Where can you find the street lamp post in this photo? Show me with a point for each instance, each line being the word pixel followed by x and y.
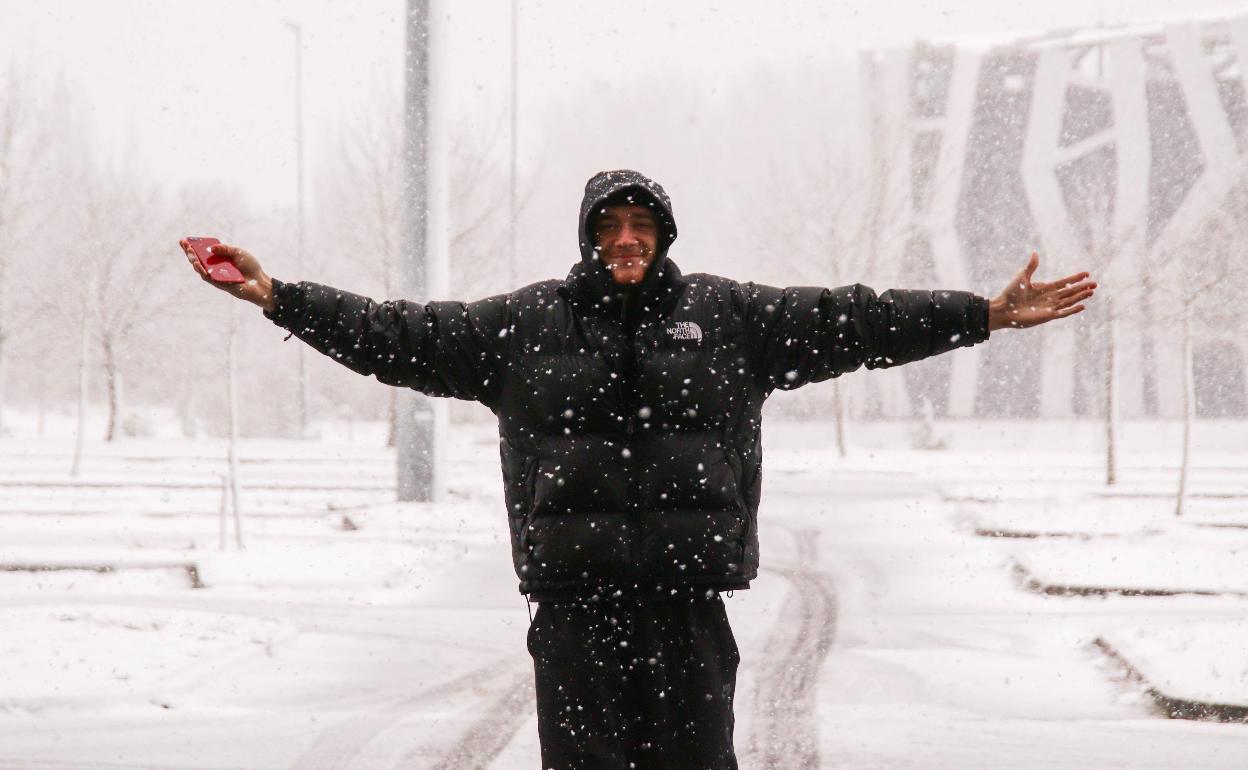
pixel 515 102
pixel 417 421
pixel 295 27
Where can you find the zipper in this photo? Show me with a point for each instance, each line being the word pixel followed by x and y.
pixel 632 513
pixel 627 365
pixel 530 504
pixel 626 381
pixel 737 465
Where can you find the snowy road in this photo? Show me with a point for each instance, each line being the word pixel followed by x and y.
pixel 881 635
pixel 939 661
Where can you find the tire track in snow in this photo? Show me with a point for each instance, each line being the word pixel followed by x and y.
pixel 339 744
pixel 494 730
pixel 785 733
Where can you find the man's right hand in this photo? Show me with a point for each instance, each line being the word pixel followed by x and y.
pixel 258 286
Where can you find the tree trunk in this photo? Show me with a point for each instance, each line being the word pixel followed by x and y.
pixel 2 362
pixel 842 417
pixel 223 511
pixel 305 430
pixel 82 397
pixel 185 420
pixel 113 381
pixel 1111 401
pixel 43 401
pixel 392 417
pixel 1188 412
pixel 231 395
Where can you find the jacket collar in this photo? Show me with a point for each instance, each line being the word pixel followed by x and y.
pixel 590 290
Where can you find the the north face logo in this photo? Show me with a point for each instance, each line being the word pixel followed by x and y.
pixel 685 330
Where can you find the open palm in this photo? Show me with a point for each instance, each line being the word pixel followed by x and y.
pixel 1026 303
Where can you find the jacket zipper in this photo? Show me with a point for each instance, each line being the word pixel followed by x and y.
pixel 530 503
pixel 737 464
pixel 627 383
pixel 630 429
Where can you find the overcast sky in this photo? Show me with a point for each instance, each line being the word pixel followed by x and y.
pixel 204 89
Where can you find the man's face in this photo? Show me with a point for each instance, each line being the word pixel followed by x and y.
pixel 626 238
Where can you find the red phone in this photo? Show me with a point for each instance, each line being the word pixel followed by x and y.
pixel 220 269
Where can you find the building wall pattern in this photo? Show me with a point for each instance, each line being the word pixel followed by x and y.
pixel 1107 147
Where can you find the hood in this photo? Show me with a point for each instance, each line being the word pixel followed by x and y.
pixel 605 184
pixel 590 285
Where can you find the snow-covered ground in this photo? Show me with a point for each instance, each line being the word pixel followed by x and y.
pixel 1204 662
pixel 901 619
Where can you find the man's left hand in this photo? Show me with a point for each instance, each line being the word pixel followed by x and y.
pixel 1023 303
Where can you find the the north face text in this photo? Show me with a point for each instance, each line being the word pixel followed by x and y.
pixel 685 330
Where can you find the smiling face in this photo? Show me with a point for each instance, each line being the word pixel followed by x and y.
pixel 626 239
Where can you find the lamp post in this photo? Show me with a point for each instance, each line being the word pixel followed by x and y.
pixel 295 27
pixel 515 100
pixel 417 421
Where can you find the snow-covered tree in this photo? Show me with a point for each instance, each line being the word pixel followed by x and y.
pixel 125 281
pixel 24 209
pixel 1206 268
pixel 1114 249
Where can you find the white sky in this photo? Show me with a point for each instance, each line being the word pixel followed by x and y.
pixel 205 89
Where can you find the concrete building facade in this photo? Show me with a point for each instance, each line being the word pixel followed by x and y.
pixel 1118 149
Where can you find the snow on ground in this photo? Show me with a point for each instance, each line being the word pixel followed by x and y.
pixel 102 656
pixel 940 659
pixel 352 632
pixel 1202 662
pixel 111 620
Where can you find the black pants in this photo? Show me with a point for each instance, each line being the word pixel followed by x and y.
pixel 635 684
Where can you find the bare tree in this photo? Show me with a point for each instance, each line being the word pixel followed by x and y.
pixel 23 145
pixel 1113 244
pixel 1200 280
pixel 362 195
pixel 852 215
pixel 1115 248
pixel 59 292
pixel 127 279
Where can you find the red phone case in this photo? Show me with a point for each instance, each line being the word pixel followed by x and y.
pixel 220 269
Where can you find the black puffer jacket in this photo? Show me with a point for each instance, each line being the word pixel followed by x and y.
pixel 630 421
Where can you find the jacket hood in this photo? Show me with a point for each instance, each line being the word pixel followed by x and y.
pixel 589 283
pixel 606 184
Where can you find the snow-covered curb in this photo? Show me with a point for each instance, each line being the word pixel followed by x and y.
pixel 1192 671
pixel 1136 569
pixel 102 562
pixel 1029 581
pixel 1087 516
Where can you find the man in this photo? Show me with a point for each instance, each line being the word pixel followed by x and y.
pixel 629 403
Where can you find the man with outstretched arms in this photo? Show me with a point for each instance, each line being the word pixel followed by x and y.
pixel 629 401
